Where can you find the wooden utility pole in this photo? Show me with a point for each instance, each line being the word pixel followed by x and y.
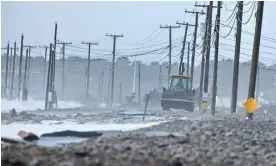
pixel 181 64
pixel 113 65
pixel 237 57
pixel 25 91
pixel 52 81
pixel 13 68
pixel 139 82
pixel 9 75
pixel 10 68
pixel 255 53
pixel 188 59
pixel 206 51
pixel 206 75
pixel 108 86
pixel 194 44
pixel 49 79
pixel 63 66
pixel 54 58
pixel 20 68
pixel 26 68
pixel 170 47
pixel 203 60
pixel 88 68
pixel 214 87
pixel 53 72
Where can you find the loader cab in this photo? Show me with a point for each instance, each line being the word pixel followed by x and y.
pixel 179 83
pixel 179 94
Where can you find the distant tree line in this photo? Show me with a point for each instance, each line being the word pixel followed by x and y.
pixel 75 72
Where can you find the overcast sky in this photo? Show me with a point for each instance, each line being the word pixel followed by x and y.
pixel 90 21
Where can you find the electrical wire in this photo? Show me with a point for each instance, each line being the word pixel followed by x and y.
pixel 244 3
pixel 249 17
pixel 248 43
pixel 248 49
pixel 252 34
pixel 248 55
pixel 228 32
pixel 145 53
pixel 253 4
pixel 145 40
pixel 225 5
pixel 249 64
pixel 231 16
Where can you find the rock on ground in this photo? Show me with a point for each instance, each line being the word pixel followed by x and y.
pixel 223 140
pixel 12 113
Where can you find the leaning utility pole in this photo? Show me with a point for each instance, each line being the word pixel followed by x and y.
pixel 88 68
pixel 113 65
pixel 170 47
pixel 20 68
pixel 255 54
pixel 181 65
pixel 13 68
pixel 194 44
pixel 53 72
pixel 214 90
pixel 63 65
pixel 203 60
pixel 139 82
pixel 49 79
pixel 237 57
pixel 25 91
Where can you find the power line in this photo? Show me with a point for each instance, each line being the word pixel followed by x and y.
pixel 246 3
pixel 252 34
pixel 249 63
pixel 145 53
pixel 145 39
pixel 232 14
pixel 231 10
pixel 250 15
pixel 253 4
pixel 249 55
pixel 249 49
pixel 265 46
pixel 229 31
